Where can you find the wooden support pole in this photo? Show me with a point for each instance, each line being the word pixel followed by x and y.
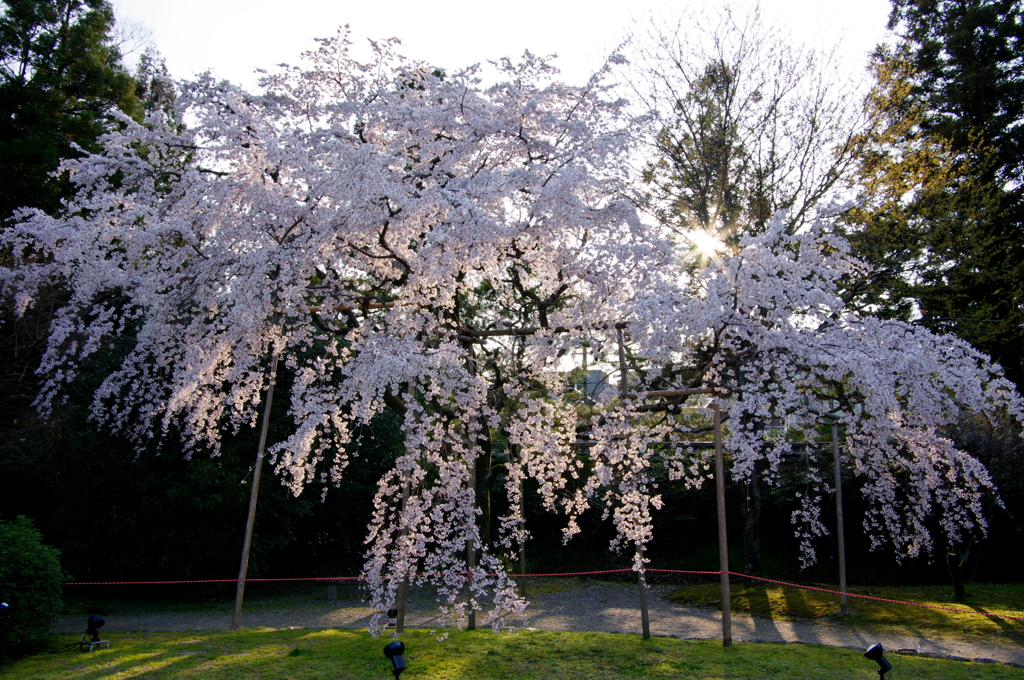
pixel 403 586
pixel 522 545
pixel 471 554
pixel 236 619
pixel 723 540
pixel 641 581
pixel 839 520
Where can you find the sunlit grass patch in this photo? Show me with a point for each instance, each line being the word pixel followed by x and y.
pixel 781 602
pixel 549 585
pixel 477 655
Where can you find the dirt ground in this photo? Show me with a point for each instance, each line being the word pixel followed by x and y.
pixel 570 606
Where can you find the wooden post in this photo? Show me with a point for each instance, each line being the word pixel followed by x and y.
pixel 839 519
pixel 623 386
pixel 522 546
pixel 645 617
pixel 586 374
pixel 403 586
pixel 723 542
pixel 236 619
pixel 471 555
pixel 641 581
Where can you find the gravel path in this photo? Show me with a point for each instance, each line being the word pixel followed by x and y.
pixel 589 606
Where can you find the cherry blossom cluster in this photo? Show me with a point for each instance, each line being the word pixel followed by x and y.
pixel 353 219
pixel 767 325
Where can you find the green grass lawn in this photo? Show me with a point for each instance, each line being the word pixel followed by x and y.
pixel 476 655
pixel 779 602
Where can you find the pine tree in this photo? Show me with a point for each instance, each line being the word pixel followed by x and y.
pixel 60 78
pixel 942 212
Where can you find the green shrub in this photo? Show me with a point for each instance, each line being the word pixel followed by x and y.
pixel 30 582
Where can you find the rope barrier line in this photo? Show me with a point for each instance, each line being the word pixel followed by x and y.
pixel 362 578
pixel 211 580
pixel 573 573
pixel 568 573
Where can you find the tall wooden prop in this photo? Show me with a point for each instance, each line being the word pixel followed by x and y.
pixel 522 545
pixel 403 586
pixel 641 580
pixel 839 520
pixel 723 541
pixel 236 619
pixel 471 556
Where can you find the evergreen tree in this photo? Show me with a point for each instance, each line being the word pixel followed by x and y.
pixel 60 77
pixel 750 126
pixel 942 215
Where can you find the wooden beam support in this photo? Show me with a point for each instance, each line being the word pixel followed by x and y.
pixel 723 540
pixel 236 618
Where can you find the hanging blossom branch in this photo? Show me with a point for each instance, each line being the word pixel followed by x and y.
pixel 353 219
pixel 766 324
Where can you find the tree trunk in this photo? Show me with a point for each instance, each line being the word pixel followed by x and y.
pixel 955 563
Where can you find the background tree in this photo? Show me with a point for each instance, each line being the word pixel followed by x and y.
pixel 940 216
pixel 60 76
pixel 746 123
pixel 747 126
pixel 941 212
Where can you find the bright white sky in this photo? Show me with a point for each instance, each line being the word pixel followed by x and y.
pixel 233 37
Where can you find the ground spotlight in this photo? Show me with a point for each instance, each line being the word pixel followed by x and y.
pixel 394 651
pixel 95 623
pixel 875 654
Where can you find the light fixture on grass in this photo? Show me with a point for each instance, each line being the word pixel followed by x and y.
pixel 95 623
pixel 875 654
pixel 394 651
pixel 5 609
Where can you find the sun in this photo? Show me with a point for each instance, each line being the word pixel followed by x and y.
pixel 708 245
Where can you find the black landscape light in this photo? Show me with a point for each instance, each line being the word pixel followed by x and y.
pixel 5 609
pixel 394 651
pixel 95 623
pixel 392 618
pixel 875 654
